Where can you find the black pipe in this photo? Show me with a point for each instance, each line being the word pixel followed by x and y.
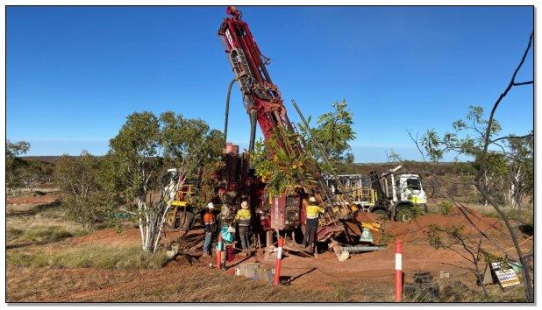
pixel 253 121
pixel 228 109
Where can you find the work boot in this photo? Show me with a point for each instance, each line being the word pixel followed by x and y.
pixel 223 266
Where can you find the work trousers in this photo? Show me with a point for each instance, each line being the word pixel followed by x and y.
pixel 244 232
pixel 310 232
pixel 207 242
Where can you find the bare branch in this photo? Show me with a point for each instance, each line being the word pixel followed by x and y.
pixel 523 83
pixel 482 171
pixel 512 137
pixel 495 106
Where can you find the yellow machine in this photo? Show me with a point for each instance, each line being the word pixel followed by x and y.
pixel 181 214
pixel 357 187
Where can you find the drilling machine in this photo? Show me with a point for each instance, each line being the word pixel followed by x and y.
pixel 265 107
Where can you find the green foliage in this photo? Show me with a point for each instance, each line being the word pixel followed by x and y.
pixel 334 130
pixel 189 141
pixel 146 144
pixel 467 138
pixel 332 135
pixel 446 207
pixel 393 157
pixel 434 236
pixel 14 150
pixel 190 145
pixel 132 156
pixel 14 162
pixel 78 179
pixel 507 174
pixel 286 172
pixel 283 172
pixel 145 147
pixel 444 238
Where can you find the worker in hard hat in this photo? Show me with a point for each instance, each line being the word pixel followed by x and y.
pixel 209 227
pixel 243 221
pixel 313 212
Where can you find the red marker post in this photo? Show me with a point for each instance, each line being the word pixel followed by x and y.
pixel 398 270
pixel 279 259
pixel 219 251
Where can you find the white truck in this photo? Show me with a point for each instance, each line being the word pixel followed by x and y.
pixel 396 196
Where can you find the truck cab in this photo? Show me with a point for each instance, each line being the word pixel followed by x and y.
pixel 404 195
pixel 409 188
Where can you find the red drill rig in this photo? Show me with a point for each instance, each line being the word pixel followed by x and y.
pixel 264 105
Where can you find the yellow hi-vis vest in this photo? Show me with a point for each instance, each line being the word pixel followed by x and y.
pixel 243 216
pixel 313 211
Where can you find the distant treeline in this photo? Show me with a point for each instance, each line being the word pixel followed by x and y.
pixel 42 167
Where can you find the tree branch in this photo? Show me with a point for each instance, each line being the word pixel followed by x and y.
pixel 523 83
pixel 496 105
pixel 512 137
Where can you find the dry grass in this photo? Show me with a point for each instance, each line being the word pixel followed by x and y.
pixel 87 257
pixel 37 229
pixel 525 216
pixel 188 284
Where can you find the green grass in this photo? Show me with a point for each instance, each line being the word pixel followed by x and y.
pixel 88 257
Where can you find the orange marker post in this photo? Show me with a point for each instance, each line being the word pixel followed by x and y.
pixel 219 251
pixel 279 259
pixel 398 271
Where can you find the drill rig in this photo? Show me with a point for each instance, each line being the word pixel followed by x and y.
pixel 264 104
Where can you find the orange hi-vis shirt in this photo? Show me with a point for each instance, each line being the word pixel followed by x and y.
pixel 209 218
pixel 209 221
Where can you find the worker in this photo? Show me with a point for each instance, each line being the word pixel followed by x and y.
pixel 243 220
pixel 227 231
pixel 313 212
pixel 209 227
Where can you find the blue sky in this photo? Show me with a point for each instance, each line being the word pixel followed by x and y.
pixel 75 73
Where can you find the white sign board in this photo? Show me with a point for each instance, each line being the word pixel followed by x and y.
pixel 507 277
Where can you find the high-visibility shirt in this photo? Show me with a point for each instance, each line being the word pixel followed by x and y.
pixel 243 216
pixel 313 211
pixel 209 221
pixel 209 218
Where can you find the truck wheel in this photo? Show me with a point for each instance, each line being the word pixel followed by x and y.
pixel 298 235
pixel 186 220
pixel 404 214
pixel 381 213
pixel 424 208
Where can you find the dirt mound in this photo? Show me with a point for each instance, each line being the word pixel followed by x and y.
pixel 471 221
pixel 366 217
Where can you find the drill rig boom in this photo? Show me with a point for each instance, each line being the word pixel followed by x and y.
pixel 264 104
pixel 261 97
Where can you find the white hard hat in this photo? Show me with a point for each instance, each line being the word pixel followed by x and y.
pixel 312 199
pixel 210 205
pixel 244 205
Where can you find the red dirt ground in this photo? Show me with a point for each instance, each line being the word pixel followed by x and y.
pixel 375 270
pixel 45 199
pixel 417 253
